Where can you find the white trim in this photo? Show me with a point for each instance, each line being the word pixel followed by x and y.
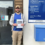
pixel 36 21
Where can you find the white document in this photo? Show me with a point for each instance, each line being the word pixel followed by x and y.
pixel 6 18
pixel 19 22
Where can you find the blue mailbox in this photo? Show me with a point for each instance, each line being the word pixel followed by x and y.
pixel 39 32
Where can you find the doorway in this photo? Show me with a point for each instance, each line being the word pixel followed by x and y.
pixel 6 9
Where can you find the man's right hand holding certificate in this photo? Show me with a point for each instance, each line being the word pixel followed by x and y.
pixel 15 24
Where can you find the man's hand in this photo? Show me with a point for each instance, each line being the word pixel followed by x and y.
pixel 22 24
pixel 14 24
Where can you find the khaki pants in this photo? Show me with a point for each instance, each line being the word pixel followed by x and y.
pixel 15 35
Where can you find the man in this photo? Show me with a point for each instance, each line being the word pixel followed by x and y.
pixel 17 32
